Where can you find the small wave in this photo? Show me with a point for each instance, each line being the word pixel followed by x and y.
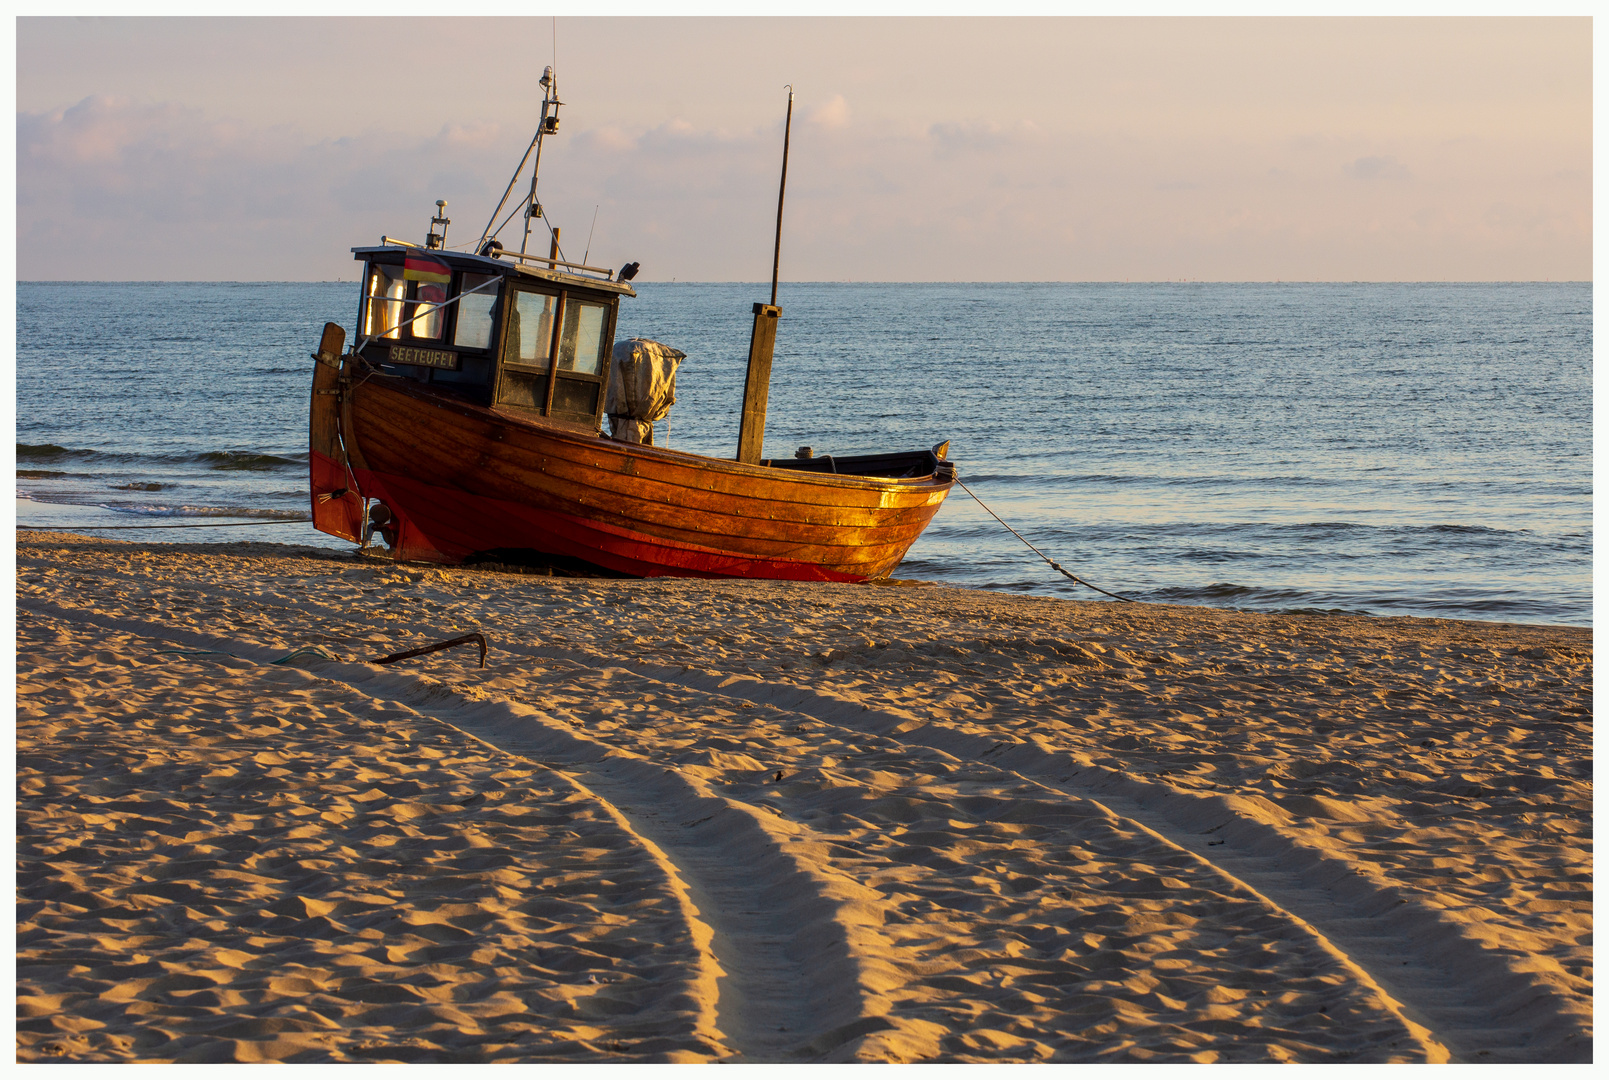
pixel 234 460
pixel 1467 529
pixel 990 478
pixel 47 450
pixel 1226 590
pixel 1249 598
pixel 244 460
pixel 1320 611
pixel 150 510
pixel 137 486
pixel 1322 526
pixel 1221 590
pixel 39 474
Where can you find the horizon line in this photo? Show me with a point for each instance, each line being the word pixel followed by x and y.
pixel 872 281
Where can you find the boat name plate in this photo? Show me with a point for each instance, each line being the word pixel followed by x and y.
pixel 436 358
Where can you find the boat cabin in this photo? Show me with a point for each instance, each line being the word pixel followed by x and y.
pixel 507 331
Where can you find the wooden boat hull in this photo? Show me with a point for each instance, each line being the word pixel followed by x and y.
pixel 463 480
pixel 336 508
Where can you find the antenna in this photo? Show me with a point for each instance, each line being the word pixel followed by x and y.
pixel 431 239
pixel 589 232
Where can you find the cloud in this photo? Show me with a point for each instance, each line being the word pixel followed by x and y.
pixel 951 139
pixel 607 138
pixel 1376 168
pixel 160 191
pixel 113 188
pixel 834 114
pixel 116 189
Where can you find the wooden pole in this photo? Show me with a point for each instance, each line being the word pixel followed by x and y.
pixel 757 386
pixel 763 338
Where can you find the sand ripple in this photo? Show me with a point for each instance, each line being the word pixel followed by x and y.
pixel 760 821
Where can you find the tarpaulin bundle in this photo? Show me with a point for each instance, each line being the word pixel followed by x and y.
pixel 642 388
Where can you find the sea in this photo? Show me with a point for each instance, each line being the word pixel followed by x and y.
pixel 1380 449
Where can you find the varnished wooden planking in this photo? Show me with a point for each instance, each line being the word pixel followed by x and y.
pixel 592 541
pixel 671 512
pixel 851 544
pixel 843 527
pixel 557 493
pixel 729 477
pixel 552 450
pixel 658 503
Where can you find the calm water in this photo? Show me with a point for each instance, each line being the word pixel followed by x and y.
pixel 1389 449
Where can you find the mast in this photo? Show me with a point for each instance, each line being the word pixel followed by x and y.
pixel 547 125
pixel 782 189
pixel 763 338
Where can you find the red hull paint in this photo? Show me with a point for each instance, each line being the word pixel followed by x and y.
pixel 336 509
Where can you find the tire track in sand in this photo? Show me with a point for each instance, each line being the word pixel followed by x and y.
pixel 1446 977
pixel 791 949
pixel 1453 981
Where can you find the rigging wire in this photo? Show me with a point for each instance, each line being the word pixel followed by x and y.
pixel 511 213
pixel 510 189
pixel 545 221
pixel 1054 565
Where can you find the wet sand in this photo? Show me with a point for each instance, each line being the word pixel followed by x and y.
pixel 759 821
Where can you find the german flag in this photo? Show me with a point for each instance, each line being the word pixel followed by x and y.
pixel 426 268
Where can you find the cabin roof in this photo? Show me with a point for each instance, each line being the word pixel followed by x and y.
pixel 508 267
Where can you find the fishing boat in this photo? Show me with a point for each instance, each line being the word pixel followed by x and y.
pixel 466 423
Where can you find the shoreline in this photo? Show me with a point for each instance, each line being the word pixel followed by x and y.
pixel 780 822
pixel 340 548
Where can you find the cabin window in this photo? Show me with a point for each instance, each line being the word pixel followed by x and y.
pixel 391 315
pixel 559 370
pixel 474 328
pixel 385 296
pixel 427 315
pixel 530 330
pixel 527 349
pixel 578 398
pixel 581 345
pixel 522 389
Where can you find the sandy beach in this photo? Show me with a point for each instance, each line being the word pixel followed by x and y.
pixel 774 822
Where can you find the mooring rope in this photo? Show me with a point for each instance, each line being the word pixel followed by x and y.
pixel 1054 565
pixel 208 525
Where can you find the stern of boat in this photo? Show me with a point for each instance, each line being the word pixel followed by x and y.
pixel 337 506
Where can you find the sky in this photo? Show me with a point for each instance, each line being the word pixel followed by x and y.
pixel 922 149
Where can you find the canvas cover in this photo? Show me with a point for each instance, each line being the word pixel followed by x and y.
pixel 642 388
